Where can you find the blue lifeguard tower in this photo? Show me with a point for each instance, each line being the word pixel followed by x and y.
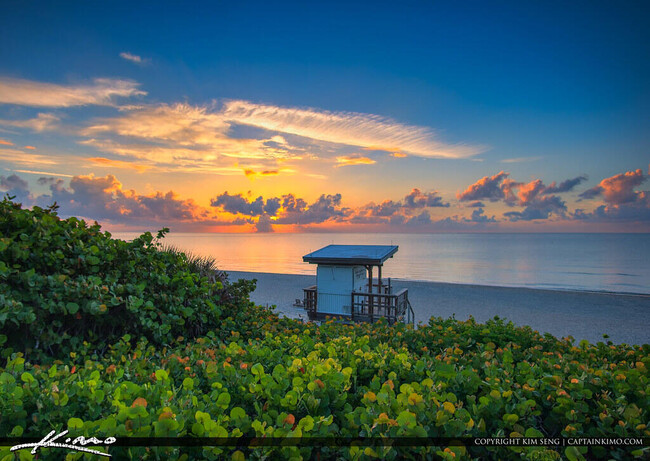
pixel 345 286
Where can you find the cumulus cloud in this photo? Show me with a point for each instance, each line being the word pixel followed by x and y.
pixel 287 209
pixel 486 188
pixel 565 186
pixel 622 201
pixel 537 198
pixel 422 219
pixel 238 204
pixel 618 189
pixel 14 186
pixel 101 92
pixel 350 128
pixel 264 224
pixel 478 216
pixel 104 199
pixel 501 187
pixel 538 208
pixel 418 199
pixel 326 208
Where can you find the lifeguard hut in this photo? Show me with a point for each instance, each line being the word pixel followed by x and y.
pixel 345 286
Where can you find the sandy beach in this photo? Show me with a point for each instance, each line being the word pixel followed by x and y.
pixel 583 315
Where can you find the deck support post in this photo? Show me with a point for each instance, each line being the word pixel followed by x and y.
pixel 379 288
pixel 370 300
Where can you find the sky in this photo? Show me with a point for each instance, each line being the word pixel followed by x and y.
pixel 416 116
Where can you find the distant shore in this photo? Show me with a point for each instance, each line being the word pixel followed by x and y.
pixel 583 315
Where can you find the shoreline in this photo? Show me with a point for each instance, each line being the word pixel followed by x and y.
pixel 581 314
pixel 517 287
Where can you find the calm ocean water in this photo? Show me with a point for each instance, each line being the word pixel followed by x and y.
pixel 592 262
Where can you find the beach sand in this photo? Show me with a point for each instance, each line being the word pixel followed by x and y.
pixel 583 315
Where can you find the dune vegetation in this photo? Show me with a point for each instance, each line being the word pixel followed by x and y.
pixel 108 338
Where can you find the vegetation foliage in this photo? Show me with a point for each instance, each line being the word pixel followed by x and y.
pixel 252 373
pixel 65 282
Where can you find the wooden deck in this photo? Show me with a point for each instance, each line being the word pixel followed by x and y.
pixel 366 307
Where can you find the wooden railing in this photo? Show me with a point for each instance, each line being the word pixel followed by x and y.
pixel 311 295
pixel 366 307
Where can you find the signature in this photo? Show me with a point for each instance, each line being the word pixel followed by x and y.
pixel 77 444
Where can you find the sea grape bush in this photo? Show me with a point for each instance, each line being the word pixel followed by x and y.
pixel 288 379
pixel 63 281
pixel 232 369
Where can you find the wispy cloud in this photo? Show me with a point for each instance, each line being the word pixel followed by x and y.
pixel 348 160
pixel 133 58
pixel 24 158
pixel 47 173
pixel 185 131
pixel 350 128
pixel 520 159
pixel 252 174
pixel 111 163
pixel 4 142
pixel 101 91
pixel 42 122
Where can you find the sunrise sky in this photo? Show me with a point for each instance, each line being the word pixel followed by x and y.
pixel 335 116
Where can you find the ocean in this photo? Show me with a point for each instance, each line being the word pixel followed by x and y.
pixel 583 262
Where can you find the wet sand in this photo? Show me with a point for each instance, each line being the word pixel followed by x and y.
pixel 583 315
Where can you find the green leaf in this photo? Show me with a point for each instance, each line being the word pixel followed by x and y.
pixel 72 308
pixel 406 419
pixel 237 413
pixel 573 454
pixel 75 423
pixel 52 371
pixel 532 432
pixel 27 378
pixel 257 369
pixel 223 400
pixel 161 375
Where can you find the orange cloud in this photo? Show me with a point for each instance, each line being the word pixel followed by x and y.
pixel 118 164
pixel 23 158
pixel 619 188
pixel 347 160
pixel 6 143
pixel 39 94
pixel 29 147
pixel 253 173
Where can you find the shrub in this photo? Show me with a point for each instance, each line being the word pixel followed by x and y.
pixel 63 282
